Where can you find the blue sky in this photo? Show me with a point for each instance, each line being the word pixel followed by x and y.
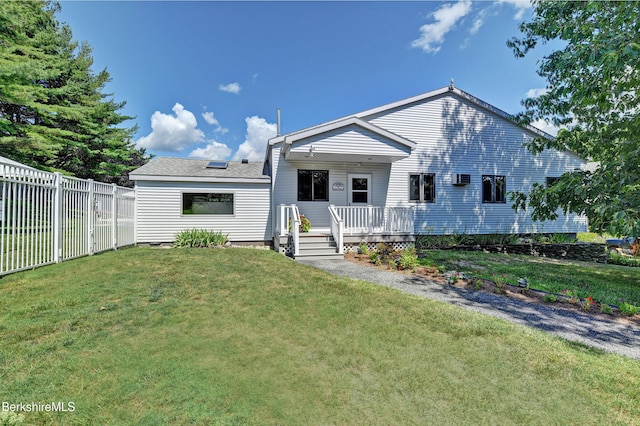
pixel 204 79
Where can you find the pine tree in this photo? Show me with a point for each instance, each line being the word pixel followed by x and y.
pixel 54 113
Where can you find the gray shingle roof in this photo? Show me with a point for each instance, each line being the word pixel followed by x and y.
pixel 183 168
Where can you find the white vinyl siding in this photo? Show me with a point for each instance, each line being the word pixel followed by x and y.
pixel 349 140
pixel 455 136
pixel 159 211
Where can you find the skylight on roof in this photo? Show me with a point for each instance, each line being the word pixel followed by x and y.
pixel 217 165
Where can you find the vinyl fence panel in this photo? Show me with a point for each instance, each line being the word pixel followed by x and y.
pixel 47 218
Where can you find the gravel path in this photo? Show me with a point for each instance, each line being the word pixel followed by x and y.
pixel 609 336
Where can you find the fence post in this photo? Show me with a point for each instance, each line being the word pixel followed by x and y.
pixel 91 217
pixel 114 215
pixel 57 217
pixel 135 214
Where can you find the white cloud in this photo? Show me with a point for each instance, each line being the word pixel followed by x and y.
pixel 210 118
pixel 534 93
pixel 255 144
pixel 213 151
pixel 520 5
pixel 478 22
pixel 445 19
pixel 172 132
pixel 231 88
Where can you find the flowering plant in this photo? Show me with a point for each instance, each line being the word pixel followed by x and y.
pixel 305 224
pixel 587 303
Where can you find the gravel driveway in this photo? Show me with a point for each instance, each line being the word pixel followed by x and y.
pixel 609 336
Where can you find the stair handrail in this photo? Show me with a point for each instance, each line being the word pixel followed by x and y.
pixel 288 224
pixel 337 228
pixel 295 229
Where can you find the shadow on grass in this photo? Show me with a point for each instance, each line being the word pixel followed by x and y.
pixel 571 325
pixel 576 327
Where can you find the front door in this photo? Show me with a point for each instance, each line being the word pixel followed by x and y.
pixel 359 189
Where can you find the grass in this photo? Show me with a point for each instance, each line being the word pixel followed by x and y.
pixel 240 336
pixel 592 237
pixel 606 283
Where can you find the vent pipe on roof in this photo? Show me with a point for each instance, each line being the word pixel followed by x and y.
pixel 278 131
pixel 245 161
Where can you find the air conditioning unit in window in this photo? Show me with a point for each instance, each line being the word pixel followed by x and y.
pixel 462 179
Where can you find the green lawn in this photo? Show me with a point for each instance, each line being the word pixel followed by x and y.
pixel 240 336
pixel 606 283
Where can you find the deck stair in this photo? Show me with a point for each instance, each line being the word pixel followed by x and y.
pixel 318 246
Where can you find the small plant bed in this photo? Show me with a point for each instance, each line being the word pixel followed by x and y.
pixel 501 274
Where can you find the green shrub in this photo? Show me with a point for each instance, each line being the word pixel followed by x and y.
pixel 492 239
pixel 200 238
pixel 452 277
pixel 363 248
pixel 561 239
pixel 606 309
pixel 628 309
pixel 374 257
pixel 615 258
pixel 550 298
pixel 451 240
pixel 408 259
pixel 384 249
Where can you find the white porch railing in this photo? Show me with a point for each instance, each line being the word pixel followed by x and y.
pixel 47 218
pixel 337 228
pixel 288 223
pixel 376 220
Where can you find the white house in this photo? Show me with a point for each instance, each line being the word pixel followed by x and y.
pixel 441 162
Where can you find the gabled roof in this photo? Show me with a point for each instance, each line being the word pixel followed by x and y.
pixel 345 122
pixel 183 169
pixel 460 93
pixel 362 116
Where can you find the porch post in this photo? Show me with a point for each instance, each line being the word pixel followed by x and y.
pixel 370 218
pixel 280 220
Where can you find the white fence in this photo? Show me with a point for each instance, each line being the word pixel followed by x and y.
pixel 47 217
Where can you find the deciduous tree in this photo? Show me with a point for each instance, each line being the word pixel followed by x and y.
pixel 592 84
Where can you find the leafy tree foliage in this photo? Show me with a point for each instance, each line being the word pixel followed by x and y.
pixel 53 112
pixel 592 90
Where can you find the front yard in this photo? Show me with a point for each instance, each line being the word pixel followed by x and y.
pixel 240 336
